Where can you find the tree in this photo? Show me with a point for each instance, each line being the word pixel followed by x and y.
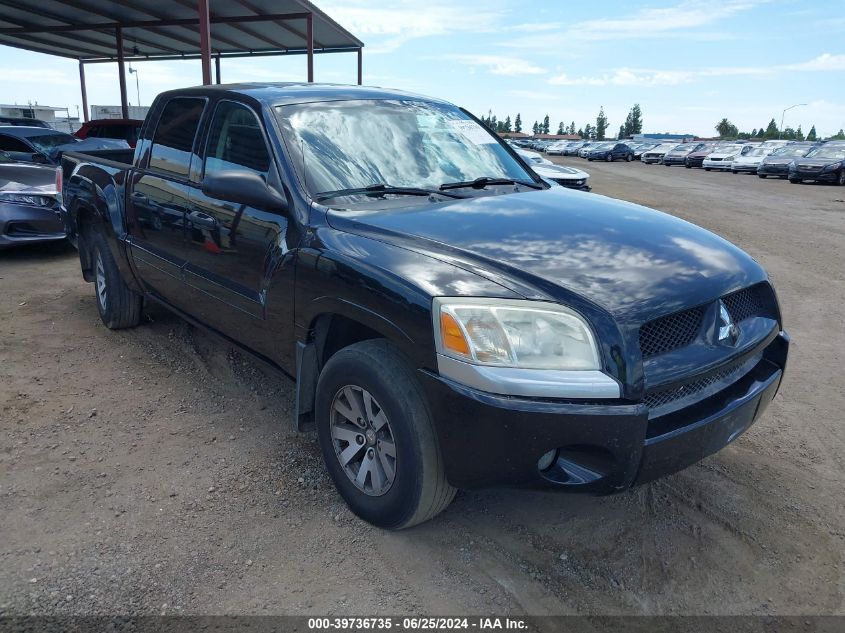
pixel 517 124
pixel 601 125
pixel 811 135
pixel 560 129
pixel 621 133
pixel 580 132
pixel 508 124
pixel 589 132
pixel 838 137
pixel 634 121
pixel 572 128
pixel 726 129
pixel 536 128
pixel 754 132
pixel 761 133
pixel 799 135
pixel 771 130
pixel 546 124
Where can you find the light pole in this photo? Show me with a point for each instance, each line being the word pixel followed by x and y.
pixel 780 131
pixel 134 71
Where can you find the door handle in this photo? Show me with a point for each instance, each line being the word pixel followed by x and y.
pixel 203 219
pixel 139 197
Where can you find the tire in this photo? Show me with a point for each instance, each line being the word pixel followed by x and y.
pixel 375 372
pixel 795 181
pixel 118 305
pixel 707 169
pixel 841 180
pixel 761 175
pixel 687 165
pixel 734 171
pixel 609 158
pixel 629 158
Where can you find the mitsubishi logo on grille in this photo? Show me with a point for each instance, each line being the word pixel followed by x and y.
pixel 728 330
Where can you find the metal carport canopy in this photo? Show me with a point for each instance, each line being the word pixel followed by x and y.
pixel 93 31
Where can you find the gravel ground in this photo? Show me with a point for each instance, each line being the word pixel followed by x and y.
pixel 155 470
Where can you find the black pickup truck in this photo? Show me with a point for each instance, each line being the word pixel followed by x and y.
pixel 450 320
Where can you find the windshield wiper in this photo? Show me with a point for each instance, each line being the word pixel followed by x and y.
pixel 480 183
pixel 380 189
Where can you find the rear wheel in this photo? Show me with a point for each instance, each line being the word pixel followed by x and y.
pixel 734 171
pixel 377 437
pixel 706 169
pixel 629 157
pixel 761 175
pixel 609 158
pixel 841 180
pixel 118 305
pixel 795 181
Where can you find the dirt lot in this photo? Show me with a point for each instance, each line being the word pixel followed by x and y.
pixel 155 471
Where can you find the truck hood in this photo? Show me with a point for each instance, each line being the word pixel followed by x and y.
pixel 24 178
pixel 630 260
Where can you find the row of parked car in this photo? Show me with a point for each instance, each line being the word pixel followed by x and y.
pixel 30 176
pixel 797 161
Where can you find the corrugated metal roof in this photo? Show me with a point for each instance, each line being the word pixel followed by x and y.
pixel 85 29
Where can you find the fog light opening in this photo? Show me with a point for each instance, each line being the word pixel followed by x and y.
pixel 547 460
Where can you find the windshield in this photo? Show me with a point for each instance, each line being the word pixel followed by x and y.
pixel 834 153
pixel 343 145
pixel 45 143
pixel 760 151
pixel 791 151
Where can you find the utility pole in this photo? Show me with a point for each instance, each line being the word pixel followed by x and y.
pixel 780 131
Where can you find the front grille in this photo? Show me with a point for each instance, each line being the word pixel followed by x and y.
pixel 680 329
pixel 700 388
pixel 748 302
pixel 670 332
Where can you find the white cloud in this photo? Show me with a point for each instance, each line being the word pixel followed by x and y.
pixel 406 20
pixel 41 76
pixel 497 64
pixel 677 21
pixel 647 77
pixel 825 61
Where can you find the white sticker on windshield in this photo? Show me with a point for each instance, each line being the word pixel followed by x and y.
pixel 471 131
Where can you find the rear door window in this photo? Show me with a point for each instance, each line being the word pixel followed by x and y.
pixel 173 141
pixel 11 144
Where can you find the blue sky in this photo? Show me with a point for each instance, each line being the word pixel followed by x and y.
pixel 688 63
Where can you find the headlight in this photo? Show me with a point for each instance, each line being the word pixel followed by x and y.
pixel 32 200
pixel 833 167
pixel 728 158
pixel 514 333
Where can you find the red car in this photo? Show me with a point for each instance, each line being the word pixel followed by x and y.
pixel 121 129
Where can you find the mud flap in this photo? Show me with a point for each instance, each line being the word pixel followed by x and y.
pixel 307 373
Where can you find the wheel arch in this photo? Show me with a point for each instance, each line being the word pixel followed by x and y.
pixel 335 325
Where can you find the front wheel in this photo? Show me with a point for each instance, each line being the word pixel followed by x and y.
pixel 706 169
pixel 378 439
pixel 795 181
pixel 609 158
pixel 629 157
pixel 841 180
pixel 734 171
pixel 118 305
pixel 761 175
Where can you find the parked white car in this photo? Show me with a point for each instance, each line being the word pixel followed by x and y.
pixel 656 154
pixel 562 175
pixel 750 161
pixel 557 149
pixel 533 158
pixel 723 158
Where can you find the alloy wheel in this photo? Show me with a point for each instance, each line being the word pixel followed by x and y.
pixel 100 271
pixel 363 440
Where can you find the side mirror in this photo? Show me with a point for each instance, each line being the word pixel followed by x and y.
pixel 243 187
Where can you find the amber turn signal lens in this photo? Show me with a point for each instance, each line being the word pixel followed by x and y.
pixel 453 337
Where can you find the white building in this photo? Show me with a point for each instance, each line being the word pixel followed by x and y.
pixel 113 112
